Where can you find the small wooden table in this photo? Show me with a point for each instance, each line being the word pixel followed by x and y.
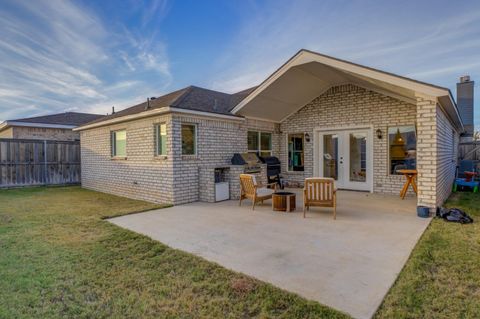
pixel 410 175
pixel 283 201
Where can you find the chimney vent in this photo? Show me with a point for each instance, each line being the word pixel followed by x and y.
pixel 148 104
pixel 465 78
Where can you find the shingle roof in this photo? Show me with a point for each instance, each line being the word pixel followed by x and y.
pixel 67 118
pixel 189 98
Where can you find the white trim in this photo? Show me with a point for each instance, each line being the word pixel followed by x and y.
pixel 335 130
pixel 157 130
pixel 207 114
pixel 259 136
pixel 389 163
pixel 303 57
pixel 287 151
pixel 343 127
pixel 38 125
pixel 195 147
pixel 113 143
pixel 163 110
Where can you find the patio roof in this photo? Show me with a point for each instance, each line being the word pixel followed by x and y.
pixel 309 74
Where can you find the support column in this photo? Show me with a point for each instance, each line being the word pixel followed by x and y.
pixel 427 151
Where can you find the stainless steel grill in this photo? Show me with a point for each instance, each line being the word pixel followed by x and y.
pixel 250 161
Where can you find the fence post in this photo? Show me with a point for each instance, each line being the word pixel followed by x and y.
pixel 45 161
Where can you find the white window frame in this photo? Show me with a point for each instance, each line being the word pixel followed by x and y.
pixel 286 141
pixel 259 137
pixel 157 138
pixel 195 146
pixel 113 144
pixel 389 172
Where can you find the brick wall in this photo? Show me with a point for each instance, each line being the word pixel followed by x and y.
pixel 178 179
pixel 447 154
pixel 172 179
pixel 426 151
pixel 217 141
pixel 343 107
pixel 141 175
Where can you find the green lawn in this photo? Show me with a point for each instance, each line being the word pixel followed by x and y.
pixel 442 277
pixel 58 258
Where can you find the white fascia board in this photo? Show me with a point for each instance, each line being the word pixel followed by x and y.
pixel 304 57
pixel 155 112
pixel 39 125
pixel 208 114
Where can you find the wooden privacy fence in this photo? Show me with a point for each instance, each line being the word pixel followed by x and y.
pixel 38 162
pixel 469 151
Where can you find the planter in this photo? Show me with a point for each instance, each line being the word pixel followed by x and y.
pixel 423 211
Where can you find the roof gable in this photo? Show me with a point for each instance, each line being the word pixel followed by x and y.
pixel 307 74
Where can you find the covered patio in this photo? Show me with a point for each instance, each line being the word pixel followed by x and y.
pixel 348 264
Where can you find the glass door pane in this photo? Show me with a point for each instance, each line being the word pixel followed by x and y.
pixel 358 157
pixel 330 156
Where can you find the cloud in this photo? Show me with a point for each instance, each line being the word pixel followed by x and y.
pixel 433 44
pixel 390 37
pixel 60 55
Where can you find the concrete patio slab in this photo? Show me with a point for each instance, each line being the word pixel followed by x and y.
pixel 348 264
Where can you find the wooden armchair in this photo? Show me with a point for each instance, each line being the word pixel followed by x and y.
pixel 249 188
pixel 320 192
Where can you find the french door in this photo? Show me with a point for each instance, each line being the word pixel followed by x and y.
pixel 346 156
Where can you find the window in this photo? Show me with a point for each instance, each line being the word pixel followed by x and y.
pixel 189 139
pixel 260 143
pixel 295 152
pixel 161 139
pixel 119 143
pixel 402 146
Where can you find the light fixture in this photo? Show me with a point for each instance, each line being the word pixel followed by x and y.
pixel 307 137
pixel 379 134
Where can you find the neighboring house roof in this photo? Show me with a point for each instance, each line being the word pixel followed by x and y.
pixel 302 78
pixel 67 120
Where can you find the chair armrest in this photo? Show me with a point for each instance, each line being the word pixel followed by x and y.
pixel 274 185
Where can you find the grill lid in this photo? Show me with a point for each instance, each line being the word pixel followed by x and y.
pixel 270 160
pixel 250 159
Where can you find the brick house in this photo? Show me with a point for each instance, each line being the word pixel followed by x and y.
pixel 319 115
pixel 49 127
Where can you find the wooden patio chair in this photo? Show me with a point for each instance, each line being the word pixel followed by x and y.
pixel 256 192
pixel 320 192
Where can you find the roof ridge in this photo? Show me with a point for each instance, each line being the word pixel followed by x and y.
pixel 181 97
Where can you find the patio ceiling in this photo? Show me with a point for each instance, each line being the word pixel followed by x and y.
pixel 308 74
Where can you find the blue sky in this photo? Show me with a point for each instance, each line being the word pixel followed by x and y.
pixel 87 56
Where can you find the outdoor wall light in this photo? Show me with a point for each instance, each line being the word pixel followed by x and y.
pixel 379 134
pixel 307 137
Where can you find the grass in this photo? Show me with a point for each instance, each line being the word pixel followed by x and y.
pixel 442 277
pixel 60 259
